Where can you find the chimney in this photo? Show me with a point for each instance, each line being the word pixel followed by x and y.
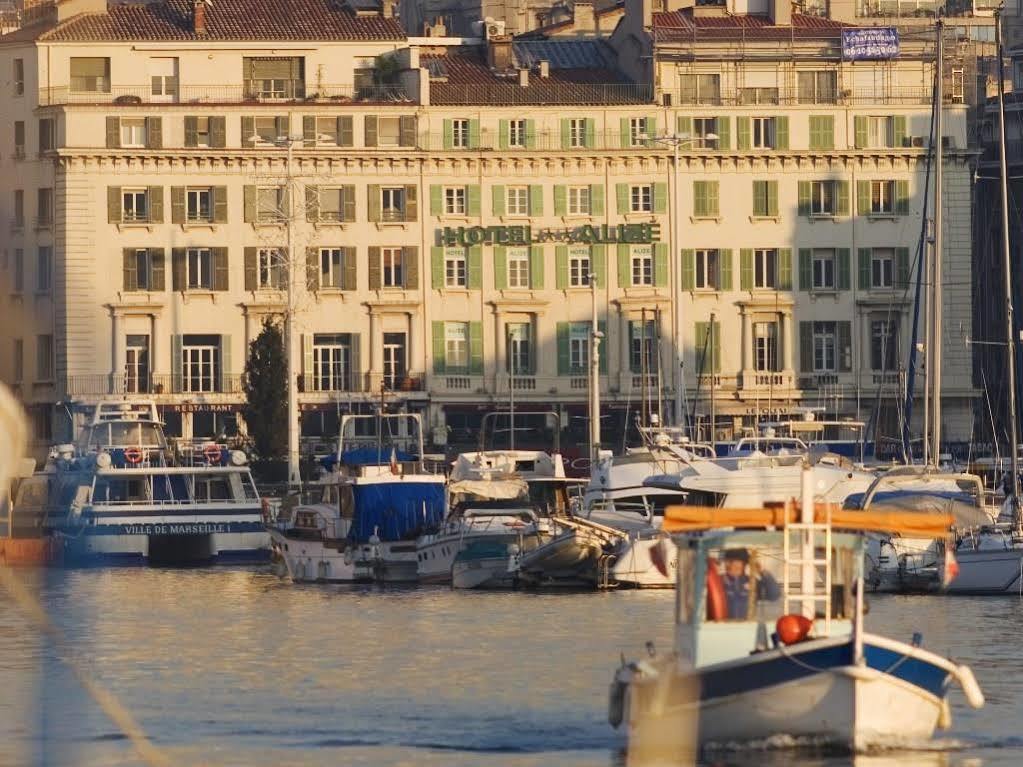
pixel 523 77
pixel 545 68
pixel 199 17
pixel 781 12
pixel 387 9
pixel 499 52
pixel 583 19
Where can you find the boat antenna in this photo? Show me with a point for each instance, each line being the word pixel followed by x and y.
pixel 1010 322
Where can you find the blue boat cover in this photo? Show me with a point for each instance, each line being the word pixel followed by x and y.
pixel 396 511
pixel 366 456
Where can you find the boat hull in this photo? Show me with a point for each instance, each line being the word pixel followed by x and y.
pixel 636 568
pixel 988 571
pixel 314 561
pixel 27 552
pixel 393 562
pixel 171 543
pixel 570 559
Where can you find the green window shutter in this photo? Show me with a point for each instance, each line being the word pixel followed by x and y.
pixel 536 265
pixel 624 266
pixel 562 333
pixel 113 204
pixel 498 198
pixel 684 126
pixel 700 204
pixel 863 198
pixel 176 353
pixel 843 339
pixel 407 131
pixel 369 126
pixel 743 133
pixel 843 269
pixel 178 205
pixel 472 200
pixel 350 276
pixel 312 203
pixel 702 348
pixel 348 203
pixel 561 266
pixel 772 198
pixel 129 269
pixel 220 269
pixel 308 130
pixel 715 344
pixel 899 130
pixel 177 268
pixel 784 281
pixel 803 197
pixel 596 199
pixel 566 133
pixel 828 132
pixel 815 132
pixel 598 263
pixel 410 260
pixel 622 193
pixel 220 205
pixel 474 134
pixel 724 131
pixel 155 194
pixel 436 199
pixel 902 198
pixel 500 268
pixel 438 347
pixel 249 204
pixel 156 268
pixel 688 269
pixel 502 134
pixel 626 133
pixel 805 269
pixel 535 200
pixel 474 275
pixel 842 198
pixel 437 267
pixel 191 131
pixel 863 268
pixel 373 202
pixel 651 127
pixel 806 347
pixel 248 131
pixel 560 200
pixel 860 132
pixel 218 132
pixel 725 267
pixel 113 132
pixel 902 268
pixel 449 134
pixel 590 135
pixel 781 132
pixel 759 198
pixel 530 134
pixel 411 202
pixel 476 348
pixel 660 197
pixel 373 272
pixel 312 269
pixel 745 268
pixel 346 133
pixel 661 265
pixel 713 206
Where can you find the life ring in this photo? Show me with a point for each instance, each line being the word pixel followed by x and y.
pixel 133 454
pixel 717 603
pixel 265 509
pixel 212 453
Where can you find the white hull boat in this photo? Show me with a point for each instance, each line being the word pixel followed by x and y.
pixel 989 563
pixel 486 565
pixel 315 550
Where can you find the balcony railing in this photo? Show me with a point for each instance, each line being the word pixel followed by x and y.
pixel 100 384
pixel 891 95
pixel 924 9
pixel 540 92
pixel 759 379
pixel 223 94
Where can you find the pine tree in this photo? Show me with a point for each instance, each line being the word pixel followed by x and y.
pixel 266 393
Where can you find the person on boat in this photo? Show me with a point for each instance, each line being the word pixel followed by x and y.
pixel 737 583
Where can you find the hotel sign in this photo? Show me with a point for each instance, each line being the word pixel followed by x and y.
pixel 524 234
pixel 872 43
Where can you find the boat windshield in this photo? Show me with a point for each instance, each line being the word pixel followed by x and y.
pixel 122 433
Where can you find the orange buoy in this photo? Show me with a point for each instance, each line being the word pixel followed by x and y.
pixel 793 628
pixel 212 453
pixel 717 603
pixel 133 454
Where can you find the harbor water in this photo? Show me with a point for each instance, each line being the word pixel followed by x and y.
pixel 239 667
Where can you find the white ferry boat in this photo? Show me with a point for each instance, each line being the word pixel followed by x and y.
pixel 124 496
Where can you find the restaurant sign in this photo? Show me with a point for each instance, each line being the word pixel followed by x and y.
pixel 524 234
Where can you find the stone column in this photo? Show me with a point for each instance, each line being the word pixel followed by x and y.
pixel 747 340
pixel 376 351
pixel 117 352
pixel 623 346
pixel 412 345
pixel 785 337
pixel 501 346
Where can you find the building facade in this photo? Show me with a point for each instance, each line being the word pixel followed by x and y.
pixel 749 206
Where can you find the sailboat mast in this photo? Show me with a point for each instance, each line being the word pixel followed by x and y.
pixel 1010 330
pixel 934 372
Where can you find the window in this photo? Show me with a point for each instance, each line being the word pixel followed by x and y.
pixel 460 134
pixel 642 346
pixel 754 96
pixel 136 364
pixel 703 129
pixel 517 133
pixel 392 273
pixel 389 131
pixel 331 267
pixel 327 131
pixel 641 198
pixel 823 198
pixel 579 266
pixel 824 347
pixel 395 367
pixel 762 132
pixel 19 360
pixel 578 200
pixel 44 269
pixel 577 132
pixel 202 132
pixel 700 89
pixel 639 131
pixel 270 268
pixel 884 344
pixel 200 363
pixel 19 139
pixel 90 74
pixel 163 78
pixel 882 197
pixel 199 269
pixel 19 77
pixel 579 347
pixel 199 204
pixel 707 270
pixel 517 200
pixel 765 199
pixel 46 135
pixel 823 269
pixel 271 204
pixel 142 266
pixel 44 208
pixel 274 77
pixel 456 345
pixel 331 208
pixel 642 261
pixel 134 205
pixel 133 131
pixel 765 265
pixel 392 203
pixel 519 358
pixel 817 87
pixel 44 358
pixel 19 270
pixel 269 129
pixel 332 361
pixel 880 132
pixel 455 268
pixel 454 200
pixel 765 346
pixel 518 267
pixel 19 209
pixel 882 268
